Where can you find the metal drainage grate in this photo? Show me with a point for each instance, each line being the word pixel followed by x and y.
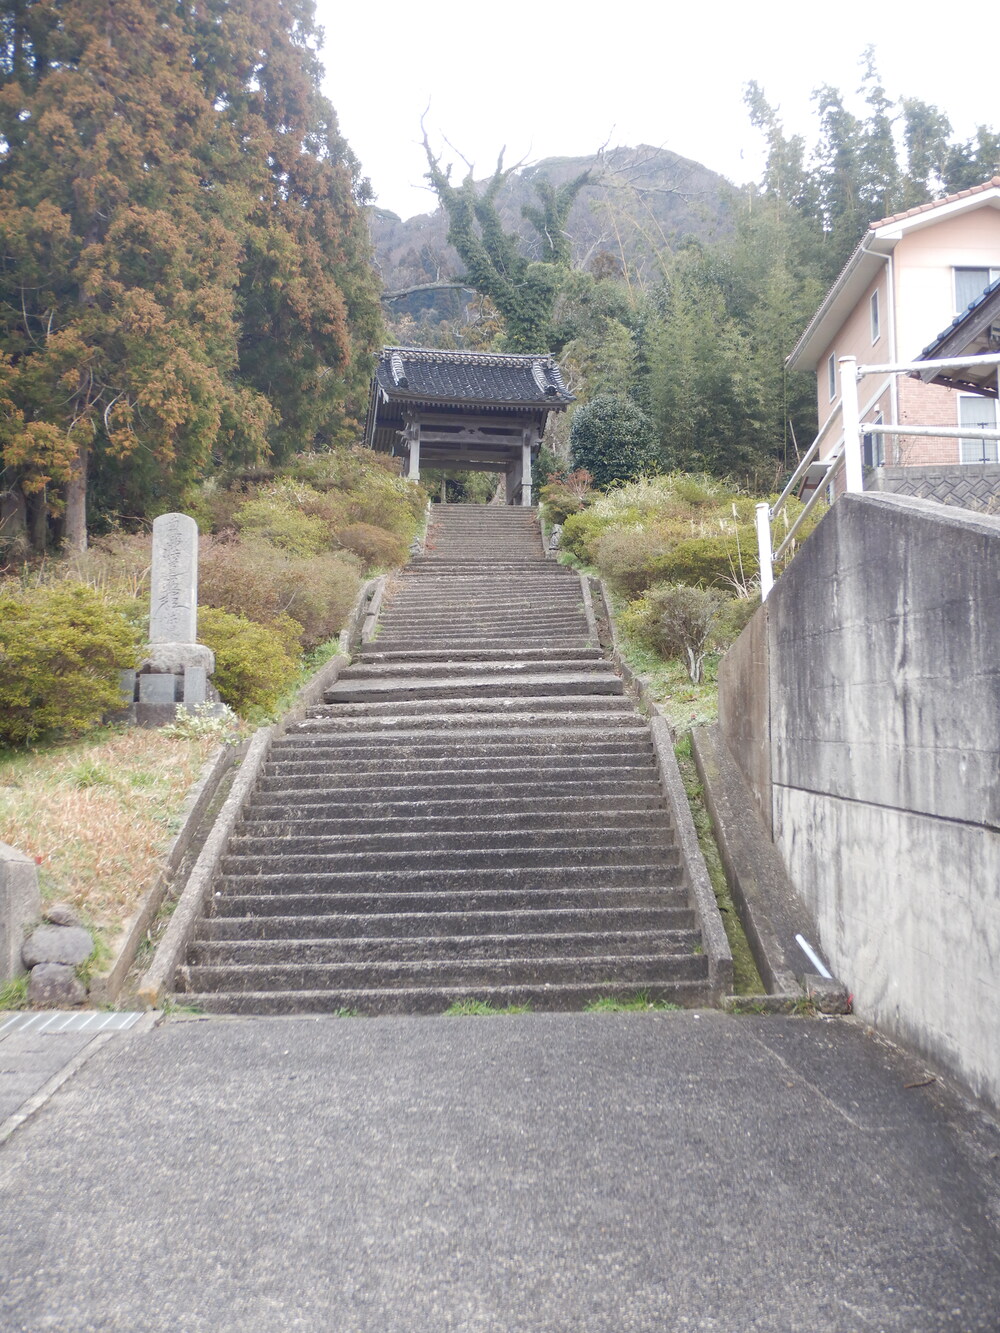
pixel 58 1020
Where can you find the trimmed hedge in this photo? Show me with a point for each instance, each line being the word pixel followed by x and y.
pixel 61 651
pixel 254 664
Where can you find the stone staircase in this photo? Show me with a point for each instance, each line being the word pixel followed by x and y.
pixel 474 812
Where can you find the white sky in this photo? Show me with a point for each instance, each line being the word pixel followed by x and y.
pixel 563 78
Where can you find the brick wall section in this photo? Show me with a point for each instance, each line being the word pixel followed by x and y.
pixel 923 405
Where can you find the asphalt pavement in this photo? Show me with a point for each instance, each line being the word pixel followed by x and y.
pixel 577 1172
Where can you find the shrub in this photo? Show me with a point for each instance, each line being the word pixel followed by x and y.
pixel 727 560
pixel 277 519
pixel 61 651
pixel 566 494
pixel 643 619
pixel 686 619
pixel 581 533
pixel 366 487
pixel 733 619
pixel 613 439
pixel 254 664
pixel 255 580
pixel 377 547
pixel 698 490
pixel 633 559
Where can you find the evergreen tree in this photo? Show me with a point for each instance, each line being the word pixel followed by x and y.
pixel 117 279
pixel 308 300
pixel 612 439
pixel 523 290
pixel 157 172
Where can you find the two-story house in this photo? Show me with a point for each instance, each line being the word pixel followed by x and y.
pixel 909 277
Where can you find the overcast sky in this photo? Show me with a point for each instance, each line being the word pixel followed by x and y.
pixel 564 78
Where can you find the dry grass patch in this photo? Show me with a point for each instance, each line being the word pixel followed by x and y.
pixel 99 814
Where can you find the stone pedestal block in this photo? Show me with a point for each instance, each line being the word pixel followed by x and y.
pixel 179 657
pixel 20 904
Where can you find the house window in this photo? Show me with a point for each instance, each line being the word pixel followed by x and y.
pixel 970 283
pixel 874 313
pixel 873 446
pixel 831 375
pixel 974 410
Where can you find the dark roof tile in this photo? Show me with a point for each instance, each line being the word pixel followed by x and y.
pixel 430 374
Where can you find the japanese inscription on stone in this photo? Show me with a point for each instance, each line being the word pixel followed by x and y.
pixel 173 616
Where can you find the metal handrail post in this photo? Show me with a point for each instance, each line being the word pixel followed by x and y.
pixel 763 521
pixel 853 475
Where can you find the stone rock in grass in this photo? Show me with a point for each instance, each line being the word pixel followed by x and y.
pixel 62 914
pixel 54 985
pixel 57 944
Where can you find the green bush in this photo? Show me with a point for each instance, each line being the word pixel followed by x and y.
pixel 377 547
pixel 643 619
pixel 566 494
pixel 633 559
pixel 613 439
pixel 254 664
pixel 61 651
pixel 678 621
pixel 727 559
pixel 581 533
pixel 277 519
pixel 255 580
pixel 734 617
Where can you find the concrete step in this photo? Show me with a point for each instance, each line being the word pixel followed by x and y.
pixel 368 721
pixel 474 685
pixel 496 712
pixel 438 999
pixel 298 842
pixel 447 859
pixel 459 881
pixel 481 643
pixel 639 970
pixel 548 729
pixel 403 925
pixel 627 823
pixel 351 749
pixel 411 807
pixel 374 653
pixel 441 947
pixel 234 901
pixel 333 767
pixel 498 594
pixel 474 789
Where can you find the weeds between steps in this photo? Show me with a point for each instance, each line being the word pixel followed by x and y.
pixel 640 1003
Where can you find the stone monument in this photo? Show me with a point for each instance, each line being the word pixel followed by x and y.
pixel 177 667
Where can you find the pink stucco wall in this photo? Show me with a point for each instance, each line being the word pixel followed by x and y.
pixel 922 267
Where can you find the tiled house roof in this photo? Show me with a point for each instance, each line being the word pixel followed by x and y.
pixel 424 374
pixel 875 245
pixel 935 203
pixel 975 330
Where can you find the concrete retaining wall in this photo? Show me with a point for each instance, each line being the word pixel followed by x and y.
pixel 970 485
pixel 862 707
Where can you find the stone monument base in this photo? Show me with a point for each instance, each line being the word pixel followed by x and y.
pixel 165 682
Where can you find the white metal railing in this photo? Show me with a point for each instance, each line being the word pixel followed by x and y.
pixel 846 451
